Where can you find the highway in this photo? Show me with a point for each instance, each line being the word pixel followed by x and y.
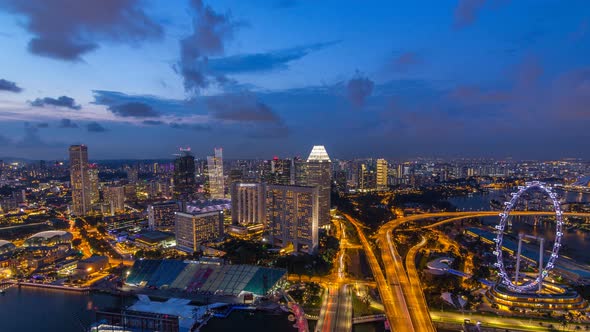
pixel 344 310
pixel 396 309
pixel 328 311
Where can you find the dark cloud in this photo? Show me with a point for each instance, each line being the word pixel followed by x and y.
pixel 9 86
pixel 210 31
pixel 32 139
pixel 358 89
pixel 243 107
pixel 95 127
pixel 261 62
pixel 67 123
pixel 63 101
pixel 140 105
pixel 190 126
pixel 42 125
pixel 466 12
pixel 134 110
pixel 66 30
pixel 153 122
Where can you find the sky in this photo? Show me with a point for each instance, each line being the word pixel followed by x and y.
pixel 138 79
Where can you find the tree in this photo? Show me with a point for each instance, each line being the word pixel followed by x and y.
pixel 76 242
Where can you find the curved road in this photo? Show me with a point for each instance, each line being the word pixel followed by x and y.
pixel 402 296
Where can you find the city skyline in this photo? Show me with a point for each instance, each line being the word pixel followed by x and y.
pixel 445 79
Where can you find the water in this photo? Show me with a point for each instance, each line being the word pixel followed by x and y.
pixel 34 309
pixel 576 242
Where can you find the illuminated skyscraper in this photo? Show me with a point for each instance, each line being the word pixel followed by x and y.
pixel 247 203
pixel 319 174
pixel 292 217
pixel 184 175
pixel 215 174
pixel 382 174
pixel 93 176
pixel 79 179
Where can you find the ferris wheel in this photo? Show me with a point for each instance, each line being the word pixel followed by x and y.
pixel 543 270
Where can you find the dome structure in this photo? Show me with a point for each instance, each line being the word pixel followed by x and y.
pixel 49 239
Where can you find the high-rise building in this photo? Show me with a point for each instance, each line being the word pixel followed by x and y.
pixel 79 179
pixel 215 174
pixel 115 197
pixel 93 176
pixel 184 175
pixel 292 216
pixel 382 169
pixel 161 216
pixel 192 230
pixel 319 174
pixel 247 203
pixel 132 173
pixel 278 171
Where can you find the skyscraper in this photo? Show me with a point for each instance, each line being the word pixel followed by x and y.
pixel 115 197
pixel 184 175
pixel 215 174
pixel 93 176
pixel 79 179
pixel 382 174
pixel 292 216
pixel 319 174
pixel 161 216
pixel 247 203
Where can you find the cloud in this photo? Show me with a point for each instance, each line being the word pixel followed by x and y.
pixel 9 86
pixel 32 139
pixel 210 31
pixel 95 127
pixel 67 123
pixel 358 89
pixel 63 101
pixel 134 110
pixel 66 30
pixel 42 125
pixel 466 12
pixel 153 122
pixel 190 126
pixel 406 60
pixel 244 107
pixel 263 62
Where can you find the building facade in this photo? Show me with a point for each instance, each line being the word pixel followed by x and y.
pixel 382 174
pixel 319 174
pixel 94 181
pixel 192 230
pixel 161 216
pixel 215 174
pixel 184 176
pixel 79 179
pixel 292 217
pixel 248 203
pixel 115 197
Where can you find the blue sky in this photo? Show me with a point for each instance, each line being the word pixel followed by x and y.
pixel 138 79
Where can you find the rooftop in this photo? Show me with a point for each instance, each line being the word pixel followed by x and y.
pixel 318 153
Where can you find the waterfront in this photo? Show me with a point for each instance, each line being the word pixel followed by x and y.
pixel 576 243
pixel 50 310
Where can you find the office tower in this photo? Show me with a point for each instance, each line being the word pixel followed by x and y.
pixel 130 192
pixel 382 174
pixel 161 216
pixel 362 177
pixel 319 173
pixel 300 171
pixel 277 171
pixel 184 175
pixel 215 174
pixel 192 230
pixel 292 216
pixel 236 175
pixel 247 203
pixel 155 168
pixel 132 173
pixel 93 176
pixel 79 179
pixel 115 197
